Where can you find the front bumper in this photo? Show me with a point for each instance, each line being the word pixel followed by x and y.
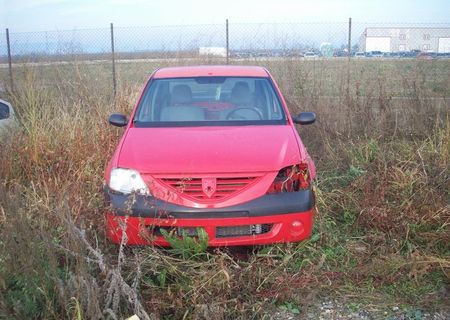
pixel 289 215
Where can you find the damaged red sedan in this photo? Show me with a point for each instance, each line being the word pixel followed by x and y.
pixel 212 148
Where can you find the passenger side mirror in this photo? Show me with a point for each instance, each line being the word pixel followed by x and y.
pixel 305 118
pixel 5 111
pixel 118 120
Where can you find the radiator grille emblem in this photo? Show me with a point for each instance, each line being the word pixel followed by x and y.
pixel 209 186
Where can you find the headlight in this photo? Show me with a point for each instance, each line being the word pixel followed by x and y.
pixel 291 179
pixel 127 181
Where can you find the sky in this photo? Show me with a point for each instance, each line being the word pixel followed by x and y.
pixel 43 15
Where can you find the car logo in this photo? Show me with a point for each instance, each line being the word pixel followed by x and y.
pixel 209 186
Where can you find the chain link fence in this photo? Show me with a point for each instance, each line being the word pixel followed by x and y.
pixel 333 53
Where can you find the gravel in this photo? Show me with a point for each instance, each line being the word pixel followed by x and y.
pixel 337 310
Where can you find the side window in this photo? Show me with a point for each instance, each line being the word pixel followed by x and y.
pixel 4 111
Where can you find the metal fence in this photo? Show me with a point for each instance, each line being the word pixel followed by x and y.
pixel 223 43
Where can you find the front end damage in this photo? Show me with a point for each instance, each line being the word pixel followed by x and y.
pixel 282 213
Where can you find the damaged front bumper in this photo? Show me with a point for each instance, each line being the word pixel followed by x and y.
pixel 272 218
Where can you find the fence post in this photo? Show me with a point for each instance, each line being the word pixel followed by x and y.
pixel 9 60
pixel 349 38
pixel 228 46
pixel 113 61
pixel 349 54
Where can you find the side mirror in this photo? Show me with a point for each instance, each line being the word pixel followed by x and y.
pixel 5 111
pixel 118 120
pixel 305 118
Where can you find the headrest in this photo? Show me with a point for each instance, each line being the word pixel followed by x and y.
pixel 181 94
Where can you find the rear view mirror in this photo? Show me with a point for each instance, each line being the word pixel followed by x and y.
pixel 305 118
pixel 118 120
pixel 5 111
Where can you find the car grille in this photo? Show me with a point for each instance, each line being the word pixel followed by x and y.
pixel 239 231
pixel 193 187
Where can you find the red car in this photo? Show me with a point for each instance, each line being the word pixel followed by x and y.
pixel 210 147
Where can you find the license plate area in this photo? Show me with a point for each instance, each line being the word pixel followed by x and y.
pixel 189 231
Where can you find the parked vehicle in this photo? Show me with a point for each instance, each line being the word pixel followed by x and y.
pixel 408 54
pixel 376 54
pixel 310 55
pixel 443 55
pixel 210 148
pixel 340 53
pixel 391 55
pixel 7 118
pixel 360 54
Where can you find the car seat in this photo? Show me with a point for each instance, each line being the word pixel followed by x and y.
pixel 241 95
pixel 181 95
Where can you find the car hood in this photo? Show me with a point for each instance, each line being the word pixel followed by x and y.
pixel 209 149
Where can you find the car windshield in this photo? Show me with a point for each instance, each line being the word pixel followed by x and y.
pixel 209 101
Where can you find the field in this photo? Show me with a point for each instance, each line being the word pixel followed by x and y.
pixel 381 242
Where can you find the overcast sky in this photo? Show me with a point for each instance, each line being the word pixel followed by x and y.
pixel 39 15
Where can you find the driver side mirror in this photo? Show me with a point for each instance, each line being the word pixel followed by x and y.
pixel 305 118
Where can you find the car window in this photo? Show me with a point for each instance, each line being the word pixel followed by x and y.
pixel 209 101
pixel 4 111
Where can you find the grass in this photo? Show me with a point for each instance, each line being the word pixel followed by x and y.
pixel 381 237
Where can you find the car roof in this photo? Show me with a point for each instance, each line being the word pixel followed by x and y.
pixel 207 71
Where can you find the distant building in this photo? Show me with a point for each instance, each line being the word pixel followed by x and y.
pixel 405 39
pixel 212 51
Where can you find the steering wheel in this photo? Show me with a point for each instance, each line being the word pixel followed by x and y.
pixel 253 109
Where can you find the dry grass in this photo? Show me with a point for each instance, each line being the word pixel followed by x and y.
pixel 381 237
